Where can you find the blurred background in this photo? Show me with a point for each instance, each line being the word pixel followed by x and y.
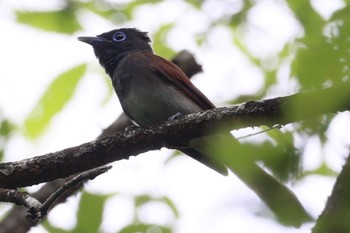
pixel 54 95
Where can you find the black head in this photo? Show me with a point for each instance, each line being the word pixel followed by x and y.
pixel 111 47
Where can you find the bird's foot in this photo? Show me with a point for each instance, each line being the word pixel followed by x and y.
pixel 176 116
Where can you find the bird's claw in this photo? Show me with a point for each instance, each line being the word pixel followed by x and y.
pixel 176 116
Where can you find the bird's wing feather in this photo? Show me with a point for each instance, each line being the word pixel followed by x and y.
pixel 179 79
pixel 181 82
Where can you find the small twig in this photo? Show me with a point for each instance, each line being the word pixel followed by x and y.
pixel 260 132
pixel 91 174
pixel 18 198
pixel 40 212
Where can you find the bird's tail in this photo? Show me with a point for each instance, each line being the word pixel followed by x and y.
pixel 217 153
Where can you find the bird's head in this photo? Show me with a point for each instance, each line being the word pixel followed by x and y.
pixel 110 47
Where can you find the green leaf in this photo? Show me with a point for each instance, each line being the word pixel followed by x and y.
pixel 323 59
pixel 282 157
pixel 108 10
pixel 6 127
pixel 145 228
pixel 90 212
pixel 240 17
pixel 144 199
pixel 159 41
pixel 318 63
pixel 62 21
pixel 110 90
pixel 323 170
pixel 56 96
pixel 312 22
pixel 132 5
pixel 196 3
pixel 52 229
pixel 171 205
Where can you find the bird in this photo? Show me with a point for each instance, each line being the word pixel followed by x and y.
pixel 152 89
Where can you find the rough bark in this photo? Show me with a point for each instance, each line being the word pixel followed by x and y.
pixel 171 134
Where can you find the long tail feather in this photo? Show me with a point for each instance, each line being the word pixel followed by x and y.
pixel 217 151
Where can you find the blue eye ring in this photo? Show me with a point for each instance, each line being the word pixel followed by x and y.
pixel 119 36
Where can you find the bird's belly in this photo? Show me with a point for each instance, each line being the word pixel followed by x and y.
pixel 146 105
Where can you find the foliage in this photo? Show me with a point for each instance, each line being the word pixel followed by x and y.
pixel 317 58
pixel 60 92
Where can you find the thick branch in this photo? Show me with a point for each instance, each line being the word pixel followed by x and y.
pixel 172 134
pixel 334 217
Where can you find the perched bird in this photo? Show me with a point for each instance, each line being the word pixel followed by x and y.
pixel 152 89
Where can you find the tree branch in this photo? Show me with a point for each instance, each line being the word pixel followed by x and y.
pixel 38 211
pixel 18 198
pixel 171 134
pixel 334 217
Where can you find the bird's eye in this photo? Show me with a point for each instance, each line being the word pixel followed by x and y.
pixel 119 36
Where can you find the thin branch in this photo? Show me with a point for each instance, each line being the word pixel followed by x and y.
pixel 18 198
pixel 38 212
pixel 260 132
pixel 16 220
